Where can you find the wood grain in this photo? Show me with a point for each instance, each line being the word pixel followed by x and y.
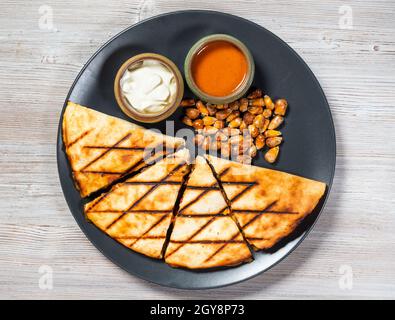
pixel 356 69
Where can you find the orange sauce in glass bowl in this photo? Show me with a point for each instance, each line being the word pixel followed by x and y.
pixel 219 68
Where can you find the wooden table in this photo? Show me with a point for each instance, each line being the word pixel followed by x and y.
pixel 354 238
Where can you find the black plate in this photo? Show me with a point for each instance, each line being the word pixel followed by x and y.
pixel 309 149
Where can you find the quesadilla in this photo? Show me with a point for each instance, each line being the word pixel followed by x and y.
pixel 102 149
pixel 204 235
pixel 138 212
pixel 267 204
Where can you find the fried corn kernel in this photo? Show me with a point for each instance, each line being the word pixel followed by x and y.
pixel 252 151
pixel 236 139
pixel 267 113
pixel 280 107
pixel 272 154
pixel 220 136
pixel 187 121
pixel 198 139
pixel 208 121
pixel 223 114
pixel 268 102
pixel 254 131
pixel 257 93
pixel 248 118
pixel 219 124
pixel 187 103
pixel 265 125
pixel 273 141
pixel 243 105
pixel 272 133
pixel 202 108
pixel 275 122
pixel 260 141
pixel 235 123
pixel 209 130
pixel 243 125
pixel 257 102
pixel 198 124
pixel 211 110
pixel 255 110
pixel 259 121
pixel 234 106
pixel 192 113
pixel 233 115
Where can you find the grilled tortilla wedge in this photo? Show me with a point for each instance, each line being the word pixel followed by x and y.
pixel 102 149
pixel 138 212
pixel 204 235
pixel 267 204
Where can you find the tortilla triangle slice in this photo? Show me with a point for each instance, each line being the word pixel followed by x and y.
pixel 138 212
pixel 102 148
pixel 267 204
pixel 204 235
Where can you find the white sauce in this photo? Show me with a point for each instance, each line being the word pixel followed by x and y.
pixel 149 86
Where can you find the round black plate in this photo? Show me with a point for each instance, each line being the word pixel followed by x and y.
pixel 309 149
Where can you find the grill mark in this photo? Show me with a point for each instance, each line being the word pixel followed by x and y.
pixel 223 172
pixel 192 236
pixel 147 193
pixel 242 183
pixel 258 215
pixel 217 187
pixel 167 148
pixel 133 166
pixel 213 187
pixel 149 183
pixel 152 227
pixel 105 152
pixel 79 138
pixel 133 211
pixel 200 215
pixel 135 237
pixel 100 172
pixel 222 247
pixel 96 201
pixel 262 212
pixel 116 148
pixel 206 241
pixel 255 238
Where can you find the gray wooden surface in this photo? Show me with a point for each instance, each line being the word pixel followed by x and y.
pixel 356 67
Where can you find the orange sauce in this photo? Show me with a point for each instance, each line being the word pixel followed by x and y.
pixel 219 68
